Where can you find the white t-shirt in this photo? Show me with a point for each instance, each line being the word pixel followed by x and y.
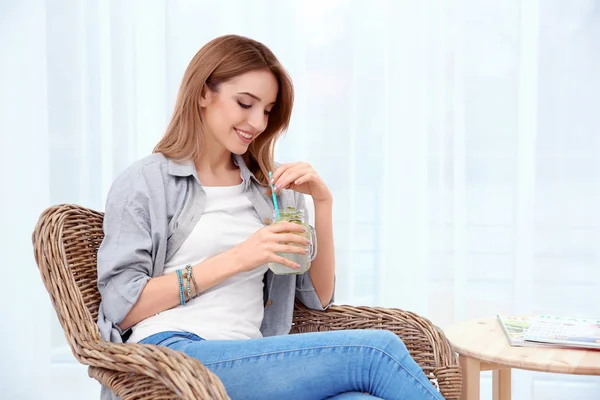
pixel 233 309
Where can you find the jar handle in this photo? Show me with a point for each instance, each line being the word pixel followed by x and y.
pixel 312 247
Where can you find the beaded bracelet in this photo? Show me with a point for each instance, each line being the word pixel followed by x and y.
pixel 181 292
pixel 195 287
pixel 190 280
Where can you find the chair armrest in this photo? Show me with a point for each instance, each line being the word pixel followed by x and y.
pixel 130 386
pixel 426 343
pixel 184 376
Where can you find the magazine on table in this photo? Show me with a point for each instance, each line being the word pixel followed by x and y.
pixel 564 331
pixel 514 328
pixel 551 331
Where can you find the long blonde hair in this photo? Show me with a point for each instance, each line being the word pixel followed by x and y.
pixel 218 61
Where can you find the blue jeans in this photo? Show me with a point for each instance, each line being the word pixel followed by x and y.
pixel 338 364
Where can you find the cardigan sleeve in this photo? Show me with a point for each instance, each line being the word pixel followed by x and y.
pixel 125 260
pixel 305 290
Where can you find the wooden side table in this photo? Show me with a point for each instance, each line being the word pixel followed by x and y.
pixel 482 346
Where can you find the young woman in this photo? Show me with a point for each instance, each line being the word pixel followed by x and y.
pixel 188 239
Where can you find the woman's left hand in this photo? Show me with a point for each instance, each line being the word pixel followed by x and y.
pixel 302 178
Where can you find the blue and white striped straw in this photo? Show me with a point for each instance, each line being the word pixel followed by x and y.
pixel 274 196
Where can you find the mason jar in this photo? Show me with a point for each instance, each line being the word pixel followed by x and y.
pixel 297 216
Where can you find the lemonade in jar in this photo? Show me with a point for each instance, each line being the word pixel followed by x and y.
pixel 291 214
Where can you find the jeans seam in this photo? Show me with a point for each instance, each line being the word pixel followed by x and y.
pixel 171 340
pixel 429 390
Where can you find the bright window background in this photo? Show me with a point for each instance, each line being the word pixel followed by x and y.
pixel 459 138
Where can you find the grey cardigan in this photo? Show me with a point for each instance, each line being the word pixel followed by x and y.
pixel 151 209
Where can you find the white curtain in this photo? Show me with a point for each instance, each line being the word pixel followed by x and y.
pixel 460 140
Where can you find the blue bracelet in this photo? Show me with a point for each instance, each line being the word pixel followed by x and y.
pixel 181 295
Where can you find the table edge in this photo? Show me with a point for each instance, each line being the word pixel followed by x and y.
pixel 524 365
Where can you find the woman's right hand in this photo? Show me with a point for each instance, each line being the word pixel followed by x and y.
pixel 262 247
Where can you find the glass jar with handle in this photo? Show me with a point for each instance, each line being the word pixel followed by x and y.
pixel 296 216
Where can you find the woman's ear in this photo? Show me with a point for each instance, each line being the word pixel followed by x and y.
pixel 205 96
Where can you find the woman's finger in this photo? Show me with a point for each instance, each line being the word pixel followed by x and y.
pixel 282 168
pixel 288 248
pixel 305 178
pixel 291 238
pixel 280 227
pixel 290 176
pixel 280 182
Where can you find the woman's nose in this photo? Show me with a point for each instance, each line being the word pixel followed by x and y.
pixel 258 120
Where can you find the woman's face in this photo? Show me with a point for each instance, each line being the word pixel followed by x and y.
pixel 238 111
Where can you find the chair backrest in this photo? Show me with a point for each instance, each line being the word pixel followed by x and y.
pixel 66 241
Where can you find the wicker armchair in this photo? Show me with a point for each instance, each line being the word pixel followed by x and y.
pixel 66 239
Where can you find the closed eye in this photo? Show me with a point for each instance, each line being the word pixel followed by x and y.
pixel 246 106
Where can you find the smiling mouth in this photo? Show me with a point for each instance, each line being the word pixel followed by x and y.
pixel 245 137
pixel 243 134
